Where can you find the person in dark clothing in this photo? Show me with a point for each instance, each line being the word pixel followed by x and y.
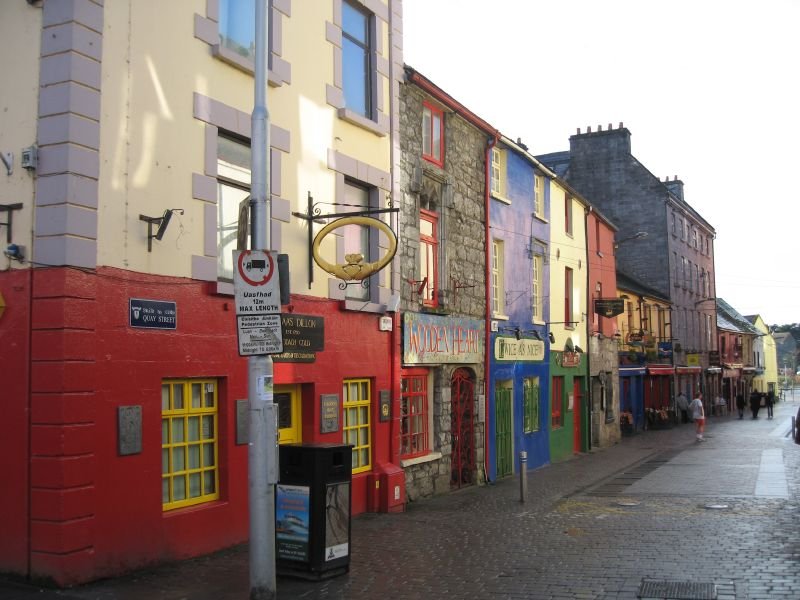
pixel 740 404
pixel 770 400
pixel 755 403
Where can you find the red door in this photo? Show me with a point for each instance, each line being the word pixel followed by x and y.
pixel 462 397
pixel 577 411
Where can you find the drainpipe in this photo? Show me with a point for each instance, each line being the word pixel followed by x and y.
pixel 488 292
pixel 590 311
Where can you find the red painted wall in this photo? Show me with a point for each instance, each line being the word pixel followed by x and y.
pixel 602 269
pixel 95 513
pixel 14 401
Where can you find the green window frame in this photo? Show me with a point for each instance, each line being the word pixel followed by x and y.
pixel 356 405
pixel 189 442
pixel 530 404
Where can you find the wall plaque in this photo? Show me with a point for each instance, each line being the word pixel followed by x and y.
pixel 329 413
pixel 385 405
pixel 242 422
pixel 152 314
pixel 129 422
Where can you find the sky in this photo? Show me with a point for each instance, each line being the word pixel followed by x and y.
pixel 709 89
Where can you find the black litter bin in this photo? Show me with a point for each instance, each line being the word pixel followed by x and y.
pixel 312 510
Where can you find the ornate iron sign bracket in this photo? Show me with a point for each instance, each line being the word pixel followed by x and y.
pixel 314 214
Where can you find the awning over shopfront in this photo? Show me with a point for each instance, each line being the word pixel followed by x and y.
pixel 714 370
pixel 660 370
pixel 630 371
pixel 688 370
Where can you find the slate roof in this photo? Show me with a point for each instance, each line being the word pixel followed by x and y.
pixel 629 284
pixel 730 319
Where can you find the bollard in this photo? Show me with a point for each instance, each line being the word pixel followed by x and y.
pixel 523 475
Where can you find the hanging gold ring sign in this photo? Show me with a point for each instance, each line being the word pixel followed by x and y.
pixel 355 268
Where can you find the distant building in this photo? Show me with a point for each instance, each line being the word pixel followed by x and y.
pixel 765 357
pixel 676 258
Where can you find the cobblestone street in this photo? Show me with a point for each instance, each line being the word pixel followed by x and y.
pixel 657 507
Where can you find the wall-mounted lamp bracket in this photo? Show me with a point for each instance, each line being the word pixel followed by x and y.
pixel 9 210
pixel 8 160
pixel 162 222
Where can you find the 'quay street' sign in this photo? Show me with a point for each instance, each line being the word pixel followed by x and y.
pixel 152 314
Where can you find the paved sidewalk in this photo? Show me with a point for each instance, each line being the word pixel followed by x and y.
pixel 658 507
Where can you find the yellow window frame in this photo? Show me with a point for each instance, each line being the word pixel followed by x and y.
pixel 294 433
pixel 356 430
pixel 189 442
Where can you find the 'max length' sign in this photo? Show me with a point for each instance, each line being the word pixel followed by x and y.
pixel 433 339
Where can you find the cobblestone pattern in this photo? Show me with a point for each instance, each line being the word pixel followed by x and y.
pixel 562 543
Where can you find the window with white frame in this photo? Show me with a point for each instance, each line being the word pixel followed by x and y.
pixel 498 285
pixel 236 27
pixel 538 195
pixel 537 298
pixel 233 188
pixel 498 173
pixel 357 63
pixel 357 238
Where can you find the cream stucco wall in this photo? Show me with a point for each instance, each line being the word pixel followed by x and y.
pixel 765 345
pixel 567 250
pixel 152 144
pixel 20 30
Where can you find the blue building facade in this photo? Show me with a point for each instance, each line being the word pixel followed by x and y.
pixel 518 386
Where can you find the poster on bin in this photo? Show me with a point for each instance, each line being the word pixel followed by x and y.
pixel 337 520
pixel 292 522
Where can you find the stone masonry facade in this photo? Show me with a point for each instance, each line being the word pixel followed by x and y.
pixel 456 193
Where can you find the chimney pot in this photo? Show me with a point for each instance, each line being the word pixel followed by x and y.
pixel 579 130
pixel 599 128
pixel 620 124
pixel 589 129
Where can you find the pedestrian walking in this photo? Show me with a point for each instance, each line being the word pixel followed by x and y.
pixel 683 406
pixel 755 403
pixel 740 404
pixel 770 400
pixel 699 416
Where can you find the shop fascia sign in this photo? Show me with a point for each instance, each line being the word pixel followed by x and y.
pixel 511 349
pixel 435 339
pixel 570 359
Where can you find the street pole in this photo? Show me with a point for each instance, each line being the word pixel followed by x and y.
pixel 262 451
